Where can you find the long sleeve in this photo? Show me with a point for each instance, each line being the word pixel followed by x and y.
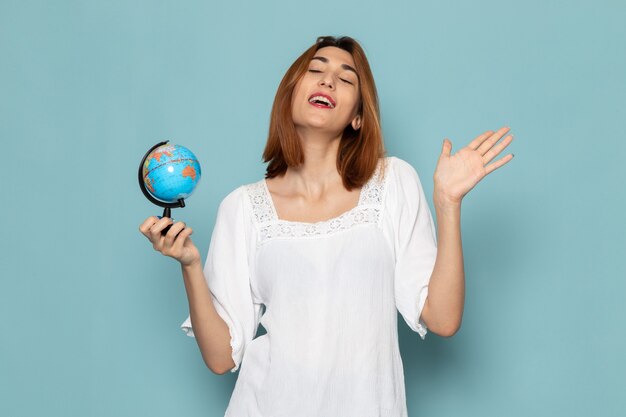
pixel 414 243
pixel 228 275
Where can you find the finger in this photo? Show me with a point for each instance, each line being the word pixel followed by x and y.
pixel 479 139
pixel 180 239
pixel 155 230
pixel 495 150
pixel 446 148
pixel 489 142
pixel 144 228
pixel 171 234
pixel 492 167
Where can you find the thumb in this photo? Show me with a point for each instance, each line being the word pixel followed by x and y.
pixel 446 147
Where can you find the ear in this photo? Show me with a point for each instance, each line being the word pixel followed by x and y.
pixel 356 122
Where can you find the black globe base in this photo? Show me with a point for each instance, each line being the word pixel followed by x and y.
pixel 167 212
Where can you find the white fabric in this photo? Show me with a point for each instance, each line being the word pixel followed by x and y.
pixel 331 292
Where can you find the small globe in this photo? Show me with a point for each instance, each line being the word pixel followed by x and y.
pixel 171 172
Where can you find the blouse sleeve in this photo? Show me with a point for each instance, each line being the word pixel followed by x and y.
pixel 227 273
pixel 414 243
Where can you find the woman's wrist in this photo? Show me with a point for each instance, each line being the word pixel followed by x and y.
pixel 444 203
pixel 192 265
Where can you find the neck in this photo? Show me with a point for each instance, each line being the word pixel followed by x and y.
pixel 318 172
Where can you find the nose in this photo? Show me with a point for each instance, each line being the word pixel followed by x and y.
pixel 326 81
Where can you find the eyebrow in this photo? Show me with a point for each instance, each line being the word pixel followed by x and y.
pixel 344 66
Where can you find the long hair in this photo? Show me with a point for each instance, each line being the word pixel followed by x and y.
pixel 359 150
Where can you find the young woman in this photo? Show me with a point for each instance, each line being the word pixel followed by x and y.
pixel 325 250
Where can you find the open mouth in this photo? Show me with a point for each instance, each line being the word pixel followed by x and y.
pixel 322 101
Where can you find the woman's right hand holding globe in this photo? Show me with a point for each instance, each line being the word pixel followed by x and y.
pixel 176 243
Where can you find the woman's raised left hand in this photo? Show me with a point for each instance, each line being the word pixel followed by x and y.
pixel 455 175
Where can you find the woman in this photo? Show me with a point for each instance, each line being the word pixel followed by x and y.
pixel 335 240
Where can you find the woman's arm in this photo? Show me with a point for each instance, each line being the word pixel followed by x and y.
pixel 211 331
pixel 443 309
pixel 454 177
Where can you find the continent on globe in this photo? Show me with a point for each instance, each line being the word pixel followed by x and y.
pixel 189 171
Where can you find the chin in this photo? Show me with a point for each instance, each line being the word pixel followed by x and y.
pixel 315 120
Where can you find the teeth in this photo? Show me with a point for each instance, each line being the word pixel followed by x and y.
pixel 321 98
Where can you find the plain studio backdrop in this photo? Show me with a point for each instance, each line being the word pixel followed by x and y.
pixel 90 313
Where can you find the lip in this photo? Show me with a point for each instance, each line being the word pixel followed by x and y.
pixel 319 93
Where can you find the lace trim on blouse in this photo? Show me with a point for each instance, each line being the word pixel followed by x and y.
pixel 366 211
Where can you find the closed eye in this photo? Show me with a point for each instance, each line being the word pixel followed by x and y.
pixel 345 81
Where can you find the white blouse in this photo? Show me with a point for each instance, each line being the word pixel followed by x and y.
pixel 330 291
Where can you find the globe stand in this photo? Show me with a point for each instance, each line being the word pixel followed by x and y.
pixel 167 212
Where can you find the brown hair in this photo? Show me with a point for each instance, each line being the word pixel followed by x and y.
pixel 359 150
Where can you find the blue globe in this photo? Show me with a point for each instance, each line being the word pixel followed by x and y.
pixel 171 172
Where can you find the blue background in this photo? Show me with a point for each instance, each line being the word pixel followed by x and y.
pixel 90 313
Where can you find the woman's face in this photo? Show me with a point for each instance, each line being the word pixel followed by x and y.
pixel 331 75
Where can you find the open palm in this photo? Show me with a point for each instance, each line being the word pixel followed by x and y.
pixel 455 175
